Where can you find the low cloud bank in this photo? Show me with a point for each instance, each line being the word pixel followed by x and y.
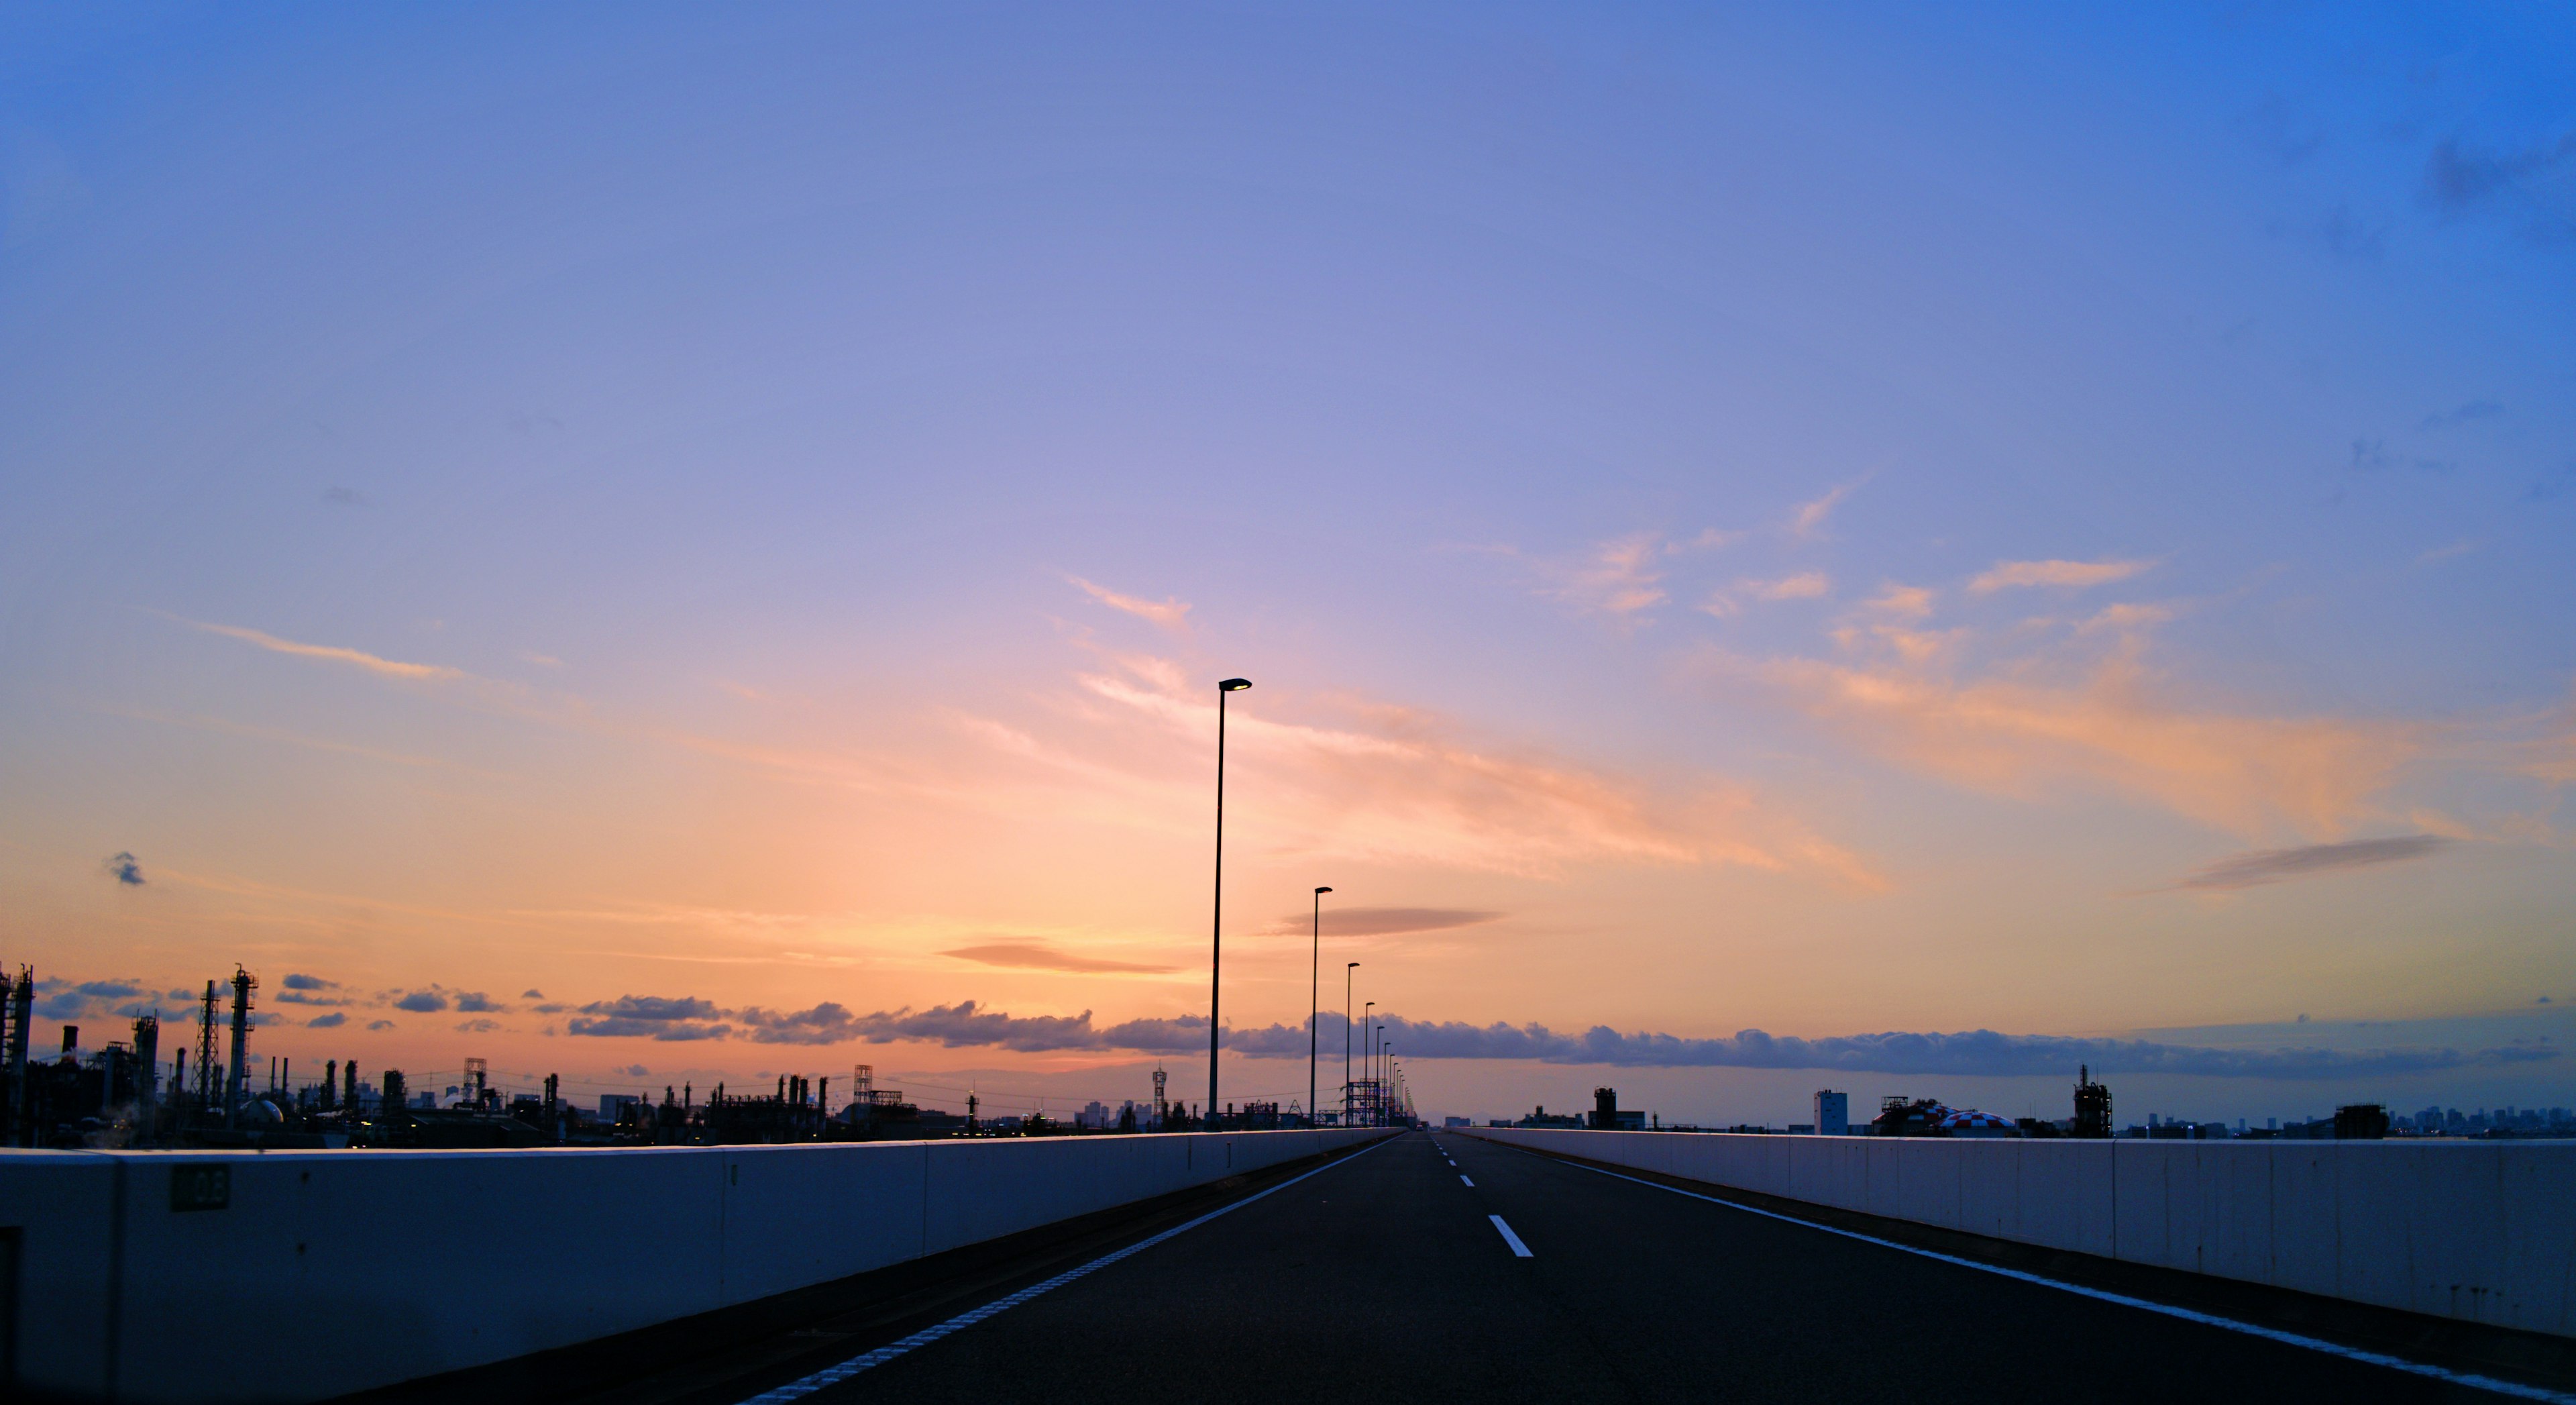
pixel 1977 1053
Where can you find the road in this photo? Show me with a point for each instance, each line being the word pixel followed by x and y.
pixel 1389 1272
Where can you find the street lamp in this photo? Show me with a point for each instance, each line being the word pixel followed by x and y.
pixel 1368 1017
pixel 1216 935
pixel 1346 1041
pixel 1379 1073
pixel 1314 997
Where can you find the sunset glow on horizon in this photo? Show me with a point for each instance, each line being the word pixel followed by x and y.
pixel 1773 557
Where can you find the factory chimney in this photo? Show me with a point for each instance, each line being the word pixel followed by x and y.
pixel 147 1081
pixel 330 1084
pixel 22 1007
pixel 349 1087
pixel 237 1071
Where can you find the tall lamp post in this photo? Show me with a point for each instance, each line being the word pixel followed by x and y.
pixel 1379 1073
pixel 1314 998
pixel 1346 1041
pixel 1368 1017
pixel 1216 936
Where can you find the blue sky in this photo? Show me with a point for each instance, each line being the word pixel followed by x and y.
pixel 1829 523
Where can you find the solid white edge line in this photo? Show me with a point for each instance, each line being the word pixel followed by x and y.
pixel 1462 1176
pixel 2394 1363
pixel 842 1371
pixel 1519 1250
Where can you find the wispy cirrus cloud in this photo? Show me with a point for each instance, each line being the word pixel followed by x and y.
pixel 2112 728
pixel 1045 956
pixel 329 653
pixel 2078 575
pixel 1171 612
pixel 1398 783
pixel 1383 921
pixel 2265 866
pixel 1911 602
pixel 1620 577
pixel 1804 585
pixel 1810 517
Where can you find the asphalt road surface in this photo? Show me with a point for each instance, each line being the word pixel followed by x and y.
pixel 1438 1263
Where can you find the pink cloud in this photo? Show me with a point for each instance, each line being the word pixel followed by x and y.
pixel 1811 516
pixel 1394 784
pixel 2071 574
pixel 1171 612
pixel 2113 729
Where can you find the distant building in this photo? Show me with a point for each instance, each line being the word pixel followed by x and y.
pixel 1453 1123
pixel 1607 1116
pixel 1833 1113
pixel 2092 1106
pixel 612 1106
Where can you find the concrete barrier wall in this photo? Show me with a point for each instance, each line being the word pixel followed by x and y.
pixel 2481 1231
pixel 372 1267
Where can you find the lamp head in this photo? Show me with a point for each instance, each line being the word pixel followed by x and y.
pixel 1234 685
pixel 1323 890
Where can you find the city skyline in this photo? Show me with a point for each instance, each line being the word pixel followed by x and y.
pixel 2046 535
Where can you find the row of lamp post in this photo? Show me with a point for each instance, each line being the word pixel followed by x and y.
pixel 1373 1046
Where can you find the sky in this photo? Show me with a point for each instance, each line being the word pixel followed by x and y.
pixel 1867 547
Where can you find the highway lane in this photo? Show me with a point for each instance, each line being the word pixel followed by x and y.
pixel 1438 1262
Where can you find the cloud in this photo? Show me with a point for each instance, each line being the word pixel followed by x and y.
pixel 654 1007
pixel 617 1027
pixel 540 660
pixel 965 1024
pixel 2467 413
pixel 476 1002
pixel 2125 617
pixel 1038 956
pixel 827 1023
pixel 2072 574
pixel 390 668
pixel 1398 785
pixel 2458 178
pixel 1811 516
pixel 1911 602
pixel 2011 736
pixel 478 1026
pixel 297 997
pixel 2462 547
pixel 124 869
pixel 337 496
pixel 1709 539
pixel 652 1017
pixel 1383 921
pixel 380 1024
pixel 1618 577
pixel 58 999
pixel 1171 612
pixel 634 1071
pixel 333 1020
pixel 1974 1053
pixel 532 995
pixel 299 981
pixel 2281 865
pixel 421 1002
pixel 1806 585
